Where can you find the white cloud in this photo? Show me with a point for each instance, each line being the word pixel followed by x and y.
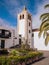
pixel 5 23
pixel 36 18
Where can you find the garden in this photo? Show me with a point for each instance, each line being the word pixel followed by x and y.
pixel 20 56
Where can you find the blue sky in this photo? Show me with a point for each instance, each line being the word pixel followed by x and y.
pixel 10 8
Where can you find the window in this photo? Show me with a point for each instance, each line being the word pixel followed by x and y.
pixel 9 34
pixel 19 35
pixel 2 43
pixel 29 23
pixel 0 31
pixel 3 32
pixel 19 41
pixel 15 38
pixel 29 31
pixel 29 17
pixel 20 16
pixel 32 35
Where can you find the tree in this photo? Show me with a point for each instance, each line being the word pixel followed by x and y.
pixel 44 27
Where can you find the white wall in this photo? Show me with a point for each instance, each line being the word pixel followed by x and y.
pixel 22 27
pixel 9 42
pixel 39 42
pixel 32 44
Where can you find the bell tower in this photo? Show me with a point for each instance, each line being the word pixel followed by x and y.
pixel 25 26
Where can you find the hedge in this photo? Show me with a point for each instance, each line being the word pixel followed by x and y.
pixel 9 60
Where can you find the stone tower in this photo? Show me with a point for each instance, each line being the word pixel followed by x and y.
pixel 25 26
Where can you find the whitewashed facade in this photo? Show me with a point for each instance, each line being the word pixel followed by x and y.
pixel 25 27
pixel 39 43
pixel 23 33
pixel 6 40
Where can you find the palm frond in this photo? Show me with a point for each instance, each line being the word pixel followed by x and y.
pixel 47 40
pixel 44 34
pixel 44 23
pixel 46 28
pixel 45 31
pixel 40 33
pixel 43 16
pixel 46 5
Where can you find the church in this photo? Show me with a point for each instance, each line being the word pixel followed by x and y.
pixel 23 34
pixel 25 27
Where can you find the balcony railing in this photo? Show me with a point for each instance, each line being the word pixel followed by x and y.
pixel 4 34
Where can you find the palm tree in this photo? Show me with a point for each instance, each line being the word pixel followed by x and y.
pixel 44 27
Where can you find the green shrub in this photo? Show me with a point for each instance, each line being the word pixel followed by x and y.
pixel 15 57
pixel 35 54
pixel 3 60
pixel 14 52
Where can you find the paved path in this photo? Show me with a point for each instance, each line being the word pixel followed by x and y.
pixel 44 61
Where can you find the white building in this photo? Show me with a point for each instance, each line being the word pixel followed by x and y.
pixel 25 27
pixel 39 43
pixel 28 34
pixel 23 34
pixel 7 37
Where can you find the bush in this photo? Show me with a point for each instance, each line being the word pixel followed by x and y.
pixel 3 60
pixel 15 57
pixel 35 54
pixel 14 52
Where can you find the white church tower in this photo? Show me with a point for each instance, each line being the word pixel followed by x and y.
pixel 25 27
